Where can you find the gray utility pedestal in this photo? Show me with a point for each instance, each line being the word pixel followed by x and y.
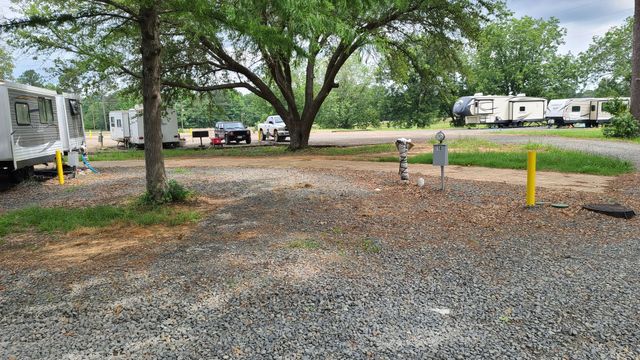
pixel 440 155
pixel 441 158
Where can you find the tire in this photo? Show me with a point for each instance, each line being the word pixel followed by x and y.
pixel 248 141
pixel 226 139
pixel 276 138
pixel 261 135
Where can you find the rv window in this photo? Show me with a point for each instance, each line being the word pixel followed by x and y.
pixel 593 108
pixel 575 109
pixel 41 111
pixel 22 114
pixel 521 108
pixel 74 106
pixel 113 122
pixel 45 110
pixel 48 106
pixel 119 122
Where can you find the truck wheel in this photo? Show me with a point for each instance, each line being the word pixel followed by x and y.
pixel 276 138
pixel 248 141
pixel 261 135
pixel 226 139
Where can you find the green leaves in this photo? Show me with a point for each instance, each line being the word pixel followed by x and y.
pixel 6 64
pixel 517 55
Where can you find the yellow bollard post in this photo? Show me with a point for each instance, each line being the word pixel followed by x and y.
pixel 531 178
pixel 59 165
pixel 90 134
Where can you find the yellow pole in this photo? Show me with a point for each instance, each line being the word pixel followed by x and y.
pixel 59 164
pixel 90 134
pixel 531 178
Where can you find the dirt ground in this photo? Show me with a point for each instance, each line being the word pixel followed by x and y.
pixel 307 261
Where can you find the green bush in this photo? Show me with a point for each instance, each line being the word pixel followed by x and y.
pixel 622 126
pixel 174 193
pixel 615 107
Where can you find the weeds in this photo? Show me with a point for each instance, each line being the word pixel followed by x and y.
pixel 174 193
pixel 305 244
pixel 371 246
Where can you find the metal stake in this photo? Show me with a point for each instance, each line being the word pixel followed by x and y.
pixel 442 178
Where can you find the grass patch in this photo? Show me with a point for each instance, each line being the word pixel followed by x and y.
pixel 305 244
pixel 61 219
pixel 579 133
pixel 548 159
pixel 180 171
pixel 371 246
pixel 253 151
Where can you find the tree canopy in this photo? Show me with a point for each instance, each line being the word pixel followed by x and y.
pixel 519 55
pixel 255 45
pixel 607 61
pixel 6 64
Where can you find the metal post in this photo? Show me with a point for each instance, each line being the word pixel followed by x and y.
pixel 442 178
pixel 104 114
pixel 531 178
pixel 59 165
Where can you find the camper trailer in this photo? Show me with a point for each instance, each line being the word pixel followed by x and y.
pixel 70 124
pixel 500 111
pixel 586 111
pixel 127 127
pixel 29 132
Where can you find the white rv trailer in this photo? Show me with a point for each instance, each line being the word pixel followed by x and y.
pixel 29 132
pixel 71 123
pixel 127 126
pixel 499 111
pixel 588 111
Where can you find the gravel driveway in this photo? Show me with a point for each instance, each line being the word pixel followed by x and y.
pixel 318 264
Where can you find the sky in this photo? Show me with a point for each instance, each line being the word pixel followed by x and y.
pixel 583 20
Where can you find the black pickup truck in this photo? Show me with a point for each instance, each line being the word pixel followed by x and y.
pixel 232 131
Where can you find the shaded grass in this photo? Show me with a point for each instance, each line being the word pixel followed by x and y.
pixel 253 151
pixel 61 219
pixel 548 159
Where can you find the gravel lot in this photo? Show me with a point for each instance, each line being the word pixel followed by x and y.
pixel 302 264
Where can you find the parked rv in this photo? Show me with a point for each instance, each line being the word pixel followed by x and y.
pixel 127 127
pixel 587 111
pixel 500 111
pixel 71 123
pixel 29 132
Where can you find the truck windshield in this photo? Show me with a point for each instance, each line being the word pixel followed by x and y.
pixel 233 126
pixel 277 119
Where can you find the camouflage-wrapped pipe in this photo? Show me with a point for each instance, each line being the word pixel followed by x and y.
pixel 404 145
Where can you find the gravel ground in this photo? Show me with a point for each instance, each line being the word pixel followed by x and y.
pixel 623 150
pixel 394 272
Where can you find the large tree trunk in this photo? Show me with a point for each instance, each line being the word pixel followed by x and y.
pixel 150 49
pixel 635 67
pixel 300 130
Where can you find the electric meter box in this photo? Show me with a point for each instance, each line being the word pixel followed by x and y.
pixel 440 155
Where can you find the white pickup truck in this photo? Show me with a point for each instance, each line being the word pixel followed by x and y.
pixel 273 126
